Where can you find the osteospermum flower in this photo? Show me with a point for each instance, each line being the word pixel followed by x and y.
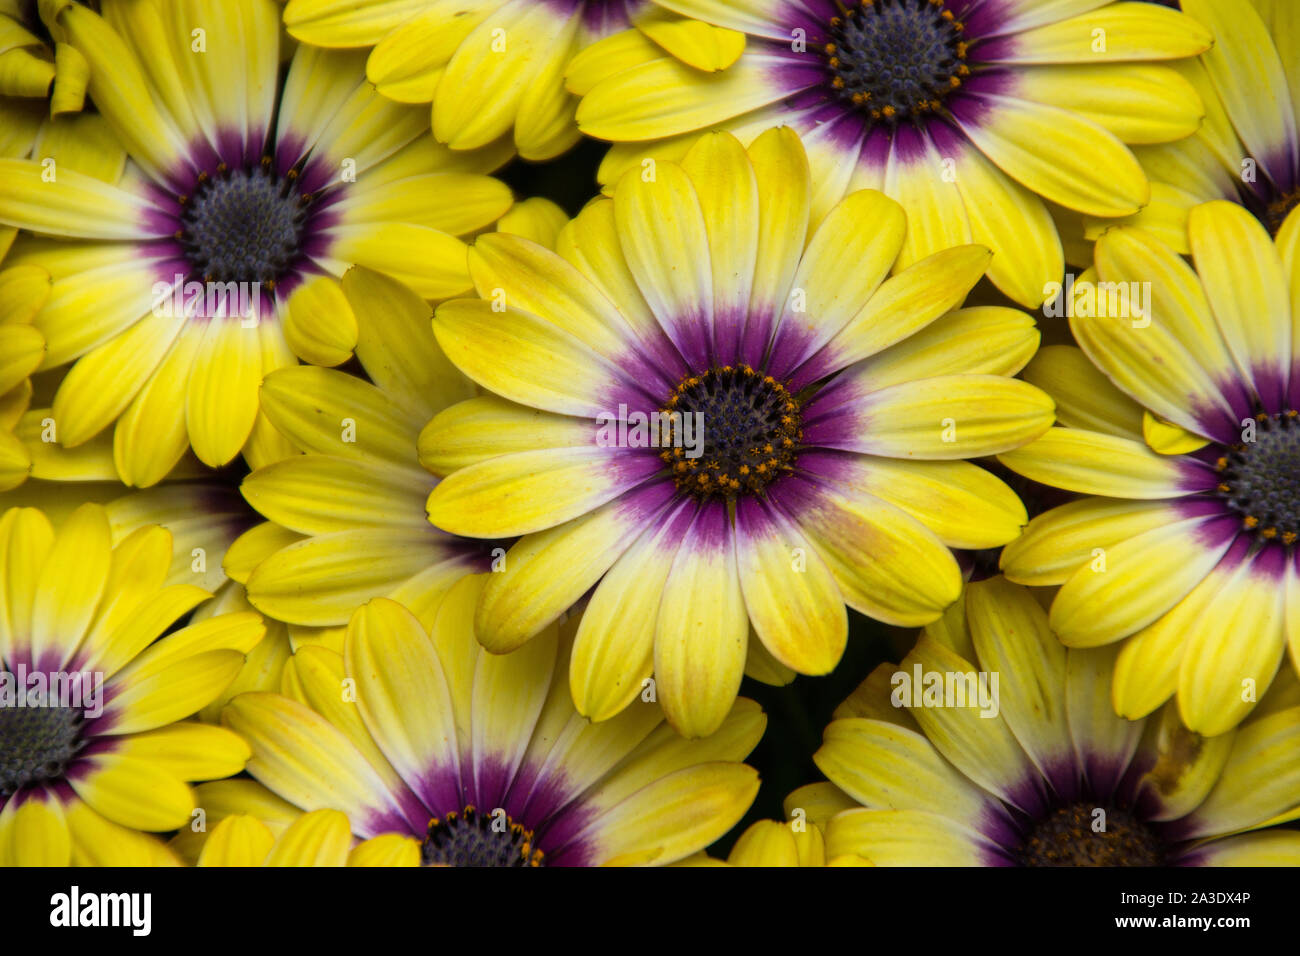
pixel 481 757
pixel 1189 549
pixel 821 413
pixel 213 259
pixel 346 517
pixel 495 68
pixel 970 114
pixel 94 748
pixel 1248 149
pixel 1050 777
pixel 319 838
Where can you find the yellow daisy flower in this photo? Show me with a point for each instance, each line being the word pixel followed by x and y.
pixel 482 758
pixel 214 258
pixel 810 417
pixel 319 838
pixel 94 747
pixel 1188 549
pixel 494 69
pixel 1051 777
pixel 970 114
pixel 1247 150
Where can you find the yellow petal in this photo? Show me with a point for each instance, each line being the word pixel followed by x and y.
pixel 133 792
pixel 239 840
pixel 34 832
pixel 1097 464
pixel 613 652
pixel 221 401
pixel 1057 542
pixel 71 584
pixel 790 594
pixel 1129 31
pixel 545 573
pixel 1139 580
pixel 1037 146
pixel 887 564
pixel 318 324
pixel 530 491
pixel 703 629
pixel 388 849
pixel 676 816
pixel 319 838
pixel 428 260
pixel 701 45
pixel 665 96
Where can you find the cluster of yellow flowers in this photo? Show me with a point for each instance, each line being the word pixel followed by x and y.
pixel 361 504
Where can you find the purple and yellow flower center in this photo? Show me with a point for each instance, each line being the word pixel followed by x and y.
pixel 751 430
pixel 1084 834
pixel 244 225
pixel 896 59
pixel 1260 480
pixel 470 838
pixel 36 745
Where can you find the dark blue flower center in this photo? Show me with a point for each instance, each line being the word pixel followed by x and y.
pixel 896 59
pixel 748 432
pixel 36 744
pixel 244 225
pixel 1088 834
pixel 1260 479
pixel 470 838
